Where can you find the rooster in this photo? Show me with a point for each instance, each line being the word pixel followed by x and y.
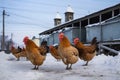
pixel 86 53
pixel 34 53
pixel 54 52
pixel 68 53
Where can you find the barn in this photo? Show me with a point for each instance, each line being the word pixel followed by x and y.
pixel 108 30
pixel 77 27
pixel 104 24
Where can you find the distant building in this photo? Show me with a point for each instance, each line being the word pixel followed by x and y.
pixel 76 27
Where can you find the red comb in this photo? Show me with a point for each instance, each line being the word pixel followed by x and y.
pixel 61 34
pixel 76 39
pixel 25 38
pixel 50 46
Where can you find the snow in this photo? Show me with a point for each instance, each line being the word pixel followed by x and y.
pixel 58 16
pixel 100 68
pixel 69 9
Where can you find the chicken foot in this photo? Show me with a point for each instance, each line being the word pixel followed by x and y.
pixel 18 59
pixel 69 67
pixel 86 64
pixel 37 67
pixel 34 68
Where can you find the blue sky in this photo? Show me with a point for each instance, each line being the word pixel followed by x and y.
pixel 30 17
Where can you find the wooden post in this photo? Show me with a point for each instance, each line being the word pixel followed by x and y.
pixel 3 37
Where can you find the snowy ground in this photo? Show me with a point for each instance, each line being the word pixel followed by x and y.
pixel 100 68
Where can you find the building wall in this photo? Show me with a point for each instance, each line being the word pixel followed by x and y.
pixel 70 33
pixel 56 40
pixel 75 33
pixel 50 40
pixel 93 32
pixel 107 31
pixel 111 31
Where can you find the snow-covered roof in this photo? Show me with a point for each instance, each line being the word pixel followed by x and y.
pixel 69 9
pixel 58 16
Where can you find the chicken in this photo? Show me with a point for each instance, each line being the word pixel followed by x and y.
pixel 19 49
pixel 34 53
pixel 14 52
pixel 68 53
pixel 86 53
pixel 54 52
pixel 18 54
pixel 23 53
pixel 43 50
pixel 44 44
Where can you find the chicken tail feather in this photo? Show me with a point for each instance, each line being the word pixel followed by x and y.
pixel 94 41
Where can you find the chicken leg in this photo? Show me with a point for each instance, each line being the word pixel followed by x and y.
pixel 34 68
pixel 86 63
pixel 69 67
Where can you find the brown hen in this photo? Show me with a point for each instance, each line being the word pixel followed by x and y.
pixel 68 53
pixel 86 53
